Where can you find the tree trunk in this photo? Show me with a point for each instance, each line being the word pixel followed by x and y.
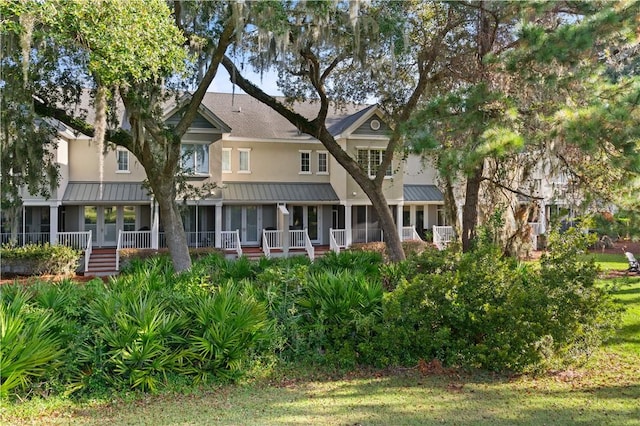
pixel 470 208
pixel 172 223
pixel 387 222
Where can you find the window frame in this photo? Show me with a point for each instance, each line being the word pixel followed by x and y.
pixel 301 156
pixel 226 152
pixel 372 168
pixel 196 161
pixel 326 163
pixel 120 151
pixel 247 152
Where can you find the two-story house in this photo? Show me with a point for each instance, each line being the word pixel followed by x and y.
pixel 268 176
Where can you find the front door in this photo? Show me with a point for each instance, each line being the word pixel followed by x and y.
pixel 247 220
pixel 306 217
pixel 102 221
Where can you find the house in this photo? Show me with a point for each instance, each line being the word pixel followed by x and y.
pixel 275 187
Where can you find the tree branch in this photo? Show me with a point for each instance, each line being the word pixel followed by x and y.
pixel 119 136
pixel 196 99
pixel 513 191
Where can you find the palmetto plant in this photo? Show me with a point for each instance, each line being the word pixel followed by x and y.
pixel 226 325
pixel 28 348
pixel 139 337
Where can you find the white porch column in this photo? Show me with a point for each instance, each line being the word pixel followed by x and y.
pixel 53 224
pixel 283 225
pixel 218 225
pixel 347 224
pixel 399 209
pixel 155 225
pixel 460 207
pixel 425 217
pixel 542 217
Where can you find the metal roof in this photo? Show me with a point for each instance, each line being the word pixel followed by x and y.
pixel 422 193
pixel 278 192
pixel 105 192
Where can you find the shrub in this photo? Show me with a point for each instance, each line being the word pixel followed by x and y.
pixel 224 327
pixel 491 312
pixel 29 349
pixel 37 259
pixel 337 313
pixel 356 261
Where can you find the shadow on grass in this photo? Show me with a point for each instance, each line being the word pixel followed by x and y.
pixel 395 400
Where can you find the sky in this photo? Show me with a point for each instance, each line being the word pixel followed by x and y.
pixel 222 83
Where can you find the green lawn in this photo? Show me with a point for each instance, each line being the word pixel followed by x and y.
pixel 606 391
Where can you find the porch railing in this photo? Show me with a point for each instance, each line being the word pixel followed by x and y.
pixel 409 233
pixel 194 239
pixel 231 241
pixel 271 239
pixel 366 234
pixel 25 238
pixel 337 239
pixel 296 238
pixel 311 252
pixel 442 235
pixel 78 240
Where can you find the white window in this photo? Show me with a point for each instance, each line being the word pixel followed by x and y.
pixel 305 162
pixel 195 158
pixel 370 159
pixel 323 162
pixel 122 160
pixel 226 160
pixel 244 164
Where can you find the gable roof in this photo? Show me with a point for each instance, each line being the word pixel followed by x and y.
pixel 250 118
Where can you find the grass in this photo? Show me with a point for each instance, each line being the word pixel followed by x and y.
pixel 605 391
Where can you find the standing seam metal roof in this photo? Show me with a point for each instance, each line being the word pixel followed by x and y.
pixel 278 192
pixel 422 193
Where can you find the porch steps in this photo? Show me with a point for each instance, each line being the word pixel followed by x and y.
pixel 102 262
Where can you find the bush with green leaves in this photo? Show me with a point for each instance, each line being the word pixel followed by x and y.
pixel 337 313
pixel 39 259
pixel 494 313
pixel 29 347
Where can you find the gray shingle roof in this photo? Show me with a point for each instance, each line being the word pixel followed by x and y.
pixel 112 192
pixel 278 192
pixel 422 193
pixel 250 118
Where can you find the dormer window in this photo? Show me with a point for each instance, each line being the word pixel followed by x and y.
pixel 195 158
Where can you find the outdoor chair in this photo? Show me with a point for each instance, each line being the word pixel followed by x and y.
pixel 634 266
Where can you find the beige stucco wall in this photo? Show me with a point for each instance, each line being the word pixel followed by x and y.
pixel 273 161
pixel 84 164
pixel 392 187
pixel 419 172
